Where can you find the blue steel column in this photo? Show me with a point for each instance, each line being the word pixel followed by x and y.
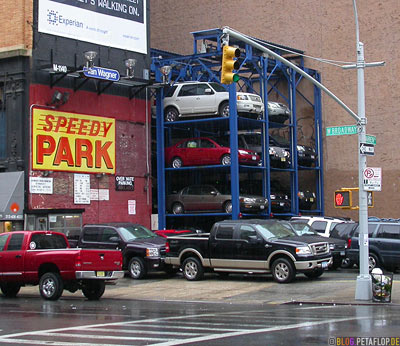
pixel 293 141
pixel 319 148
pixel 266 173
pixel 233 127
pixel 160 159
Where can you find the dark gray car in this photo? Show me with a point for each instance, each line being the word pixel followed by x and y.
pixel 205 198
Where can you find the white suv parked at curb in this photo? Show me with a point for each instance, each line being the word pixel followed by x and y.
pixel 207 98
pixel 322 224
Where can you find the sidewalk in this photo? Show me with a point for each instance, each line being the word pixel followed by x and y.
pixel 234 289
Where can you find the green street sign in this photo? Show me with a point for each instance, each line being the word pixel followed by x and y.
pixel 348 130
pixel 371 140
pixel 341 130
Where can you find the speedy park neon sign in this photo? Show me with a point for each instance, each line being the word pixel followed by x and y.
pixel 72 142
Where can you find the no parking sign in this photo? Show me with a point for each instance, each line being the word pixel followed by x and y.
pixel 372 178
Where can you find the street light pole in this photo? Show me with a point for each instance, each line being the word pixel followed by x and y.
pixel 364 283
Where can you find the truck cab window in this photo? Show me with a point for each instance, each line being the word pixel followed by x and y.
pixel 224 232
pixel 15 242
pixel 3 240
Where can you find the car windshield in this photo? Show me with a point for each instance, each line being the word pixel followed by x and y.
pixel 276 230
pixel 218 87
pixel 303 229
pixel 222 141
pixel 253 139
pixel 132 232
pixel 283 142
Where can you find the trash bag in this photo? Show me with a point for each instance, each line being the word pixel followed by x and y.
pixel 381 286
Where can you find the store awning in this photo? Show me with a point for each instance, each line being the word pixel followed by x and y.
pixel 11 196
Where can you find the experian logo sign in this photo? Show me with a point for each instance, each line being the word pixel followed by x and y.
pixel 101 73
pixel 55 19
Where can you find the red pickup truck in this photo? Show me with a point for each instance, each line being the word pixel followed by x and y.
pixel 45 258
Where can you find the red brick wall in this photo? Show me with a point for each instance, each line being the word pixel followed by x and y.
pixel 323 29
pixel 130 118
pixel 16 20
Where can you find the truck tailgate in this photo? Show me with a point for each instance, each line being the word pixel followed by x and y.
pixel 92 259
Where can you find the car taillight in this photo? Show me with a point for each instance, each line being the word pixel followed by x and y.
pixel 349 243
pixel 167 247
pixel 78 261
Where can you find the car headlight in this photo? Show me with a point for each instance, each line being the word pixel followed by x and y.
pixel 345 246
pixel 303 250
pixel 301 148
pixel 272 151
pixel 152 252
pixel 273 197
pixel 331 247
pixel 272 105
pixel 242 97
pixel 244 152
pixel 286 197
pixel 247 200
pixel 314 195
pixel 287 154
pixel 300 194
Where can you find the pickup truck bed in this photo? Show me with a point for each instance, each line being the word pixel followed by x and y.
pixel 44 258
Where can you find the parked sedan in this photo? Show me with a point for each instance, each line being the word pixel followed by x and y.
pixel 207 98
pixel 205 151
pixel 205 198
pixel 306 155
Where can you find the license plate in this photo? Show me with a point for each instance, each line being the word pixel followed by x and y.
pixel 311 199
pixel 254 158
pixel 262 207
pixel 324 265
pixel 101 274
pixel 342 253
pixel 283 159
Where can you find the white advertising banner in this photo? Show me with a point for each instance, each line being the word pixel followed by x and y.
pixel 41 185
pixel 113 23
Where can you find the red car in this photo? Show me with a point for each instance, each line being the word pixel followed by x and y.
pixel 206 151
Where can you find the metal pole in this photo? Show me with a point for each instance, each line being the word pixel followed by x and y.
pixel 364 284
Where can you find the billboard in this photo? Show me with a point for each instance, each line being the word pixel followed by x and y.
pixel 72 142
pixel 113 23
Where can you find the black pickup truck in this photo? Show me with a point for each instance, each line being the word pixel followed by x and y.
pixel 142 250
pixel 249 246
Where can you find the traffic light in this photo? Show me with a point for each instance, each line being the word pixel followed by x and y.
pixel 343 199
pixel 229 64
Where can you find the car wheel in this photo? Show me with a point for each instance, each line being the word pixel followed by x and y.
pixel 10 290
pixel 93 289
pixel 314 274
pixel 192 269
pixel 346 263
pixel 373 261
pixel 283 270
pixel 224 109
pixel 137 268
pixel 51 286
pixel 171 114
pixel 176 162
pixel 177 208
pixel 226 160
pixel 228 207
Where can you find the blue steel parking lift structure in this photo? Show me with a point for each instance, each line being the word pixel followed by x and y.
pixel 258 74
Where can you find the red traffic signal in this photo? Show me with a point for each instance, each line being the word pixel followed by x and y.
pixel 343 199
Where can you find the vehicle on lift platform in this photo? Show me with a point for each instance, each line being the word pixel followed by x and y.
pixel 278 112
pixel 249 246
pixel 306 155
pixel 189 99
pixel 206 151
pixel 206 198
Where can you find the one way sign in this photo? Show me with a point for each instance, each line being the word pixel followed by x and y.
pixel 367 149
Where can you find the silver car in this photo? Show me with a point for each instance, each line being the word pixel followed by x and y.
pixel 206 198
pixel 207 98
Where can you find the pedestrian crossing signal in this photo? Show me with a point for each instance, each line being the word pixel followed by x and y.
pixel 343 199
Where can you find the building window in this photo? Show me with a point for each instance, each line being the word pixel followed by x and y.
pixel 69 224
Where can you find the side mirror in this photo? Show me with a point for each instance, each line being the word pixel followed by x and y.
pixel 115 239
pixel 208 91
pixel 214 193
pixel 253 239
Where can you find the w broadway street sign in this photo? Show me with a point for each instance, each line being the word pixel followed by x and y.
pixel 348 130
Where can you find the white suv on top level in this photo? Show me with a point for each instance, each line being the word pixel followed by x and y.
pixel 206 98
pixel 322 224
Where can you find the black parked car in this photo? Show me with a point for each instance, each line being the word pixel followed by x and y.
pixel 306 155
pixel 142 250
pixel 336 246
pixel 343 231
